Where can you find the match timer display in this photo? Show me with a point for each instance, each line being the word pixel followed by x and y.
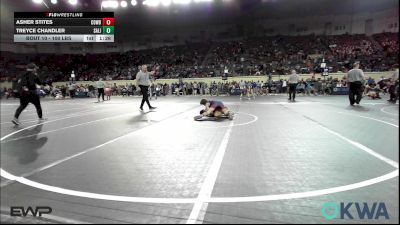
pixel 64 27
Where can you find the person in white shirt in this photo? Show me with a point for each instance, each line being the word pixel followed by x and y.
pixel 243 90
pixel 284 86
pixel 195 88
pixel 356 79
pixel 100 89
pixel 293 81
pixel 143 81
pixel 71 89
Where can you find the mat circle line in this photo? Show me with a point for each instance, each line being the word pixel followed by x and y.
pixel 255 118
pixel 394 114
pixel 262 198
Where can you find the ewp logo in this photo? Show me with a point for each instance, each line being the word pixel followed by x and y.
pixel 363 210
pixel 34 211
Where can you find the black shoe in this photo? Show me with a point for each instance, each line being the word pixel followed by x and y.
pixel 15 121
pixel 151 108
pixel 141 109
pixel 289 99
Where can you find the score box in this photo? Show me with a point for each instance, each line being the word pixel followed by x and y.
pixel 108 30
pixel 108 21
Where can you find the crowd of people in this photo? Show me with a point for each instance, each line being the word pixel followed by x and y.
pixel 251 56
pixel 354 84
pixel 251 88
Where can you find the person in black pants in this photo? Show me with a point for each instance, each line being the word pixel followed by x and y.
pixel 143 81
pixel 145 92
pixel 293 81
pixel 355 92
pixel 71 88
pixel 394 87
pixel 28 93
pixel 292 92
pixel 356 79
pixel 100 89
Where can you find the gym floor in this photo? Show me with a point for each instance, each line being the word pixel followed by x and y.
pixel 276 162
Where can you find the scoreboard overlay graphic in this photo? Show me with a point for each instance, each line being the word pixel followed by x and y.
pixel 64 27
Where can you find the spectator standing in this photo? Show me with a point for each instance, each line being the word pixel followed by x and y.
pixel 195 88
pixel 107 92
pixel 394 87
pixel 284 86
pixel 71 89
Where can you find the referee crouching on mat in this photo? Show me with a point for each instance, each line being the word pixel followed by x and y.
pixel 356 79
pixel 143 81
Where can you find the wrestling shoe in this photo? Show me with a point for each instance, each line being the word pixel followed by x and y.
pixel 15 121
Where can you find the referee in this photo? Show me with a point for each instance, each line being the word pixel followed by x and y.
pixel 356 79
pixel 143 81
pixel 27 88
pixel 293 81
pixel 100 89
